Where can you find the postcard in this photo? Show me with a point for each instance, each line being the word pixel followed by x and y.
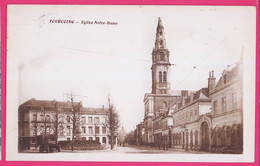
pixel 130 83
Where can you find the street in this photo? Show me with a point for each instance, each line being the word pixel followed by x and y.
pixel 128 150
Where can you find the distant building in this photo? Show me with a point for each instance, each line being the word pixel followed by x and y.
pixel 122 136
pixel 43 117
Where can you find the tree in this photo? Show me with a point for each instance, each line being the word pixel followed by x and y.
pixel 56 120
pixel 75 117
pixel 112 121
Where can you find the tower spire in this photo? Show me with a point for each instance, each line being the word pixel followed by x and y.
pixel 160 42
pixel 161 65
pixel 159 23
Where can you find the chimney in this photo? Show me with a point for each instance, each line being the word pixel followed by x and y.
pixel 191 97
pixel 211 81
pixel 184 95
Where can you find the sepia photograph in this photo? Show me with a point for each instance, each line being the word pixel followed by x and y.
pixel 130 83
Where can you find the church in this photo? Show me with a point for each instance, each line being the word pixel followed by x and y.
pixel 158 101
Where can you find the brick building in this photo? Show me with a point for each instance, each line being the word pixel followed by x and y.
pixel 55 118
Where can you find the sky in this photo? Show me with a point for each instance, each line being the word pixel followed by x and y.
pixel 94 60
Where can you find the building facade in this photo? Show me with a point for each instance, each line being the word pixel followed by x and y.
pixel 227 111
pixel 188 114
pixel 55 118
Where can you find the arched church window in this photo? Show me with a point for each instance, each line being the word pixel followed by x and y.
pixel 164 77
pixel 160 77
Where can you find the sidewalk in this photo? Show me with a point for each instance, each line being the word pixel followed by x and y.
pixel 144 147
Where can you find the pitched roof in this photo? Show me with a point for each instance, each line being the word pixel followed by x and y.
pixel 93 111
pixel 48 103
pixel 229 74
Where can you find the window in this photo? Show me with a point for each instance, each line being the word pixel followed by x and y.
pixel 191 114
pixel 164 77
pixel 224 104
pixel 97 139
pixel 90 120
pixel 84 129
pixel 61 130
pixel 90 138
pixel 215 106
pixel 96 120
pixel 104 130
pixel 68 130
pixel 234 100
pixel 48 119
pixel 83 120
pixel 90 130
pixel 34 117
pixel 42 117
pixel 160 77
pixel 104 140
pixel 195 112
pixel 68 118
pixel 96 130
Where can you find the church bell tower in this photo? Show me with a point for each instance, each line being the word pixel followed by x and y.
pixel 161 66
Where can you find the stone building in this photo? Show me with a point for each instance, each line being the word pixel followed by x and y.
pixel 188 114
pixel 161 95
pixel 227 111
pixel 55 118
